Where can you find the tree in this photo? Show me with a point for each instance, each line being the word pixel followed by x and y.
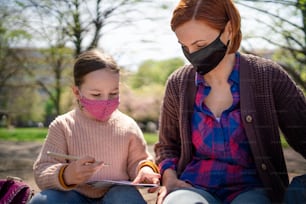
pixel 142 92
pixel 9 35
pixel 78 24
pixel 288 25
pixel 55 25
pixel 82 22
pixel 154 72
pixel 50 71
pixel 11 32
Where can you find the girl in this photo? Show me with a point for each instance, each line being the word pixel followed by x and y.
pixel 109 144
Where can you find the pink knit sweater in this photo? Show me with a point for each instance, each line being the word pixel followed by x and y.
pixel 118 142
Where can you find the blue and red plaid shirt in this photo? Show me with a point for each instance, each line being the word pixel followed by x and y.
pixel 222 163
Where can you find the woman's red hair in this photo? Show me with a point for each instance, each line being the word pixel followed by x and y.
pixel 216 13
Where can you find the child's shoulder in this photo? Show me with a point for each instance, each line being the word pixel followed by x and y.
pixel 64 118
pixel 125 120
pixel 124 117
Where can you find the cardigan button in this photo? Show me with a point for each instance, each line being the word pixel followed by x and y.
pixel 249 118
pixel 263 167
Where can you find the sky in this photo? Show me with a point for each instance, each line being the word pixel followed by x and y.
pixel 146 39
pixel 130 46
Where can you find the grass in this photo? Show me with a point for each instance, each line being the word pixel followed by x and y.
pixel 39 134
pixel 23 134
pixel 284 142
pixel 151 138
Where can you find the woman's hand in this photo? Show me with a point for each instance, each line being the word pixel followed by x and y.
pixel 170 183
pixel 81 170
pixel 166 189
pixel 147 175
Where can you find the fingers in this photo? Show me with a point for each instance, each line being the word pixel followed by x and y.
pixel 137 179
pixel 80 170
pixel 156 180
pixel 90 163
pixel 85 160
pixel 153 189
pixel 162 192
pixel 147 178
pixel 152 178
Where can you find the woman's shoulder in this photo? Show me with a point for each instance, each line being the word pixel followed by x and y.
pixel 258 62
pixel 266 72
pixel 182 75
pixel 260 66
pixel 183 71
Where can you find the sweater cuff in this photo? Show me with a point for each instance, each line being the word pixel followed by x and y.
pixel 150 164
pixel 61 178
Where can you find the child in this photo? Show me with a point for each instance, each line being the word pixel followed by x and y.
pixel 109 144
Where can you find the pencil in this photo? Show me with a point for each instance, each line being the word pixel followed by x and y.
pixel 65 156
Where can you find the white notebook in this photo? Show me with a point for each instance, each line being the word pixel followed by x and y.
pixel 107 183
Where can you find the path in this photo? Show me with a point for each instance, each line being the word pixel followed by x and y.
pixel 16 159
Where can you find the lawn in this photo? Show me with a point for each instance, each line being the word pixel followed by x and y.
pixel 23 134
pixel 38 134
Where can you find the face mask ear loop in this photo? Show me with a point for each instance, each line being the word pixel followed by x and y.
pixel 228 42
pixel 227 45
pixel 79 104
pixel 78 100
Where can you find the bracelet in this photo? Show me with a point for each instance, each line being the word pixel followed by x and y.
pixel 61 178
pixel 150 164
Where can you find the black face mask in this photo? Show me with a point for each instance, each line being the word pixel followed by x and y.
pixel 207 58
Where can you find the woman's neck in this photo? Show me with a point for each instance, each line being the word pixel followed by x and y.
pixel 221 73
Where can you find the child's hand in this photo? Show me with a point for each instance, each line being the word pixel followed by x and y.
pixel 81 170
pixel 147 175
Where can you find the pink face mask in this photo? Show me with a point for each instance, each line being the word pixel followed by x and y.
pixel 100 109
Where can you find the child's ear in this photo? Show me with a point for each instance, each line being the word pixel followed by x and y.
pixel 76 91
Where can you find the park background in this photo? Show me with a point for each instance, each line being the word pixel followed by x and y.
pixel 39 40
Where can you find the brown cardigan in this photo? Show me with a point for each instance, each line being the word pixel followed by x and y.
pixel 269 100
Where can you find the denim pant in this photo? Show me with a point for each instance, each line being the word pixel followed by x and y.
pixel 198 196
pixel 296 192
pixel 116 195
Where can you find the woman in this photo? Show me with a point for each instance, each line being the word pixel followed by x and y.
pixel 109 144
pixel 219 139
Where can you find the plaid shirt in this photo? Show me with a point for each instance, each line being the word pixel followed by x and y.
pixel 222 163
